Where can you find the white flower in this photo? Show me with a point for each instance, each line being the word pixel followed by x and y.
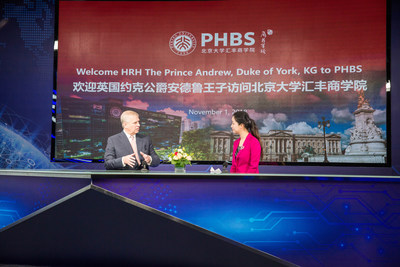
pixel 180 156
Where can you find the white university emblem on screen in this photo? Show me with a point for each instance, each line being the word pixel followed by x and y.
pixel 182 43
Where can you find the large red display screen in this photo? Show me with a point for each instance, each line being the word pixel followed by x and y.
pixel 186 66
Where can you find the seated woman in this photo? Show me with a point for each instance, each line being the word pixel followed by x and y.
pixel 247 149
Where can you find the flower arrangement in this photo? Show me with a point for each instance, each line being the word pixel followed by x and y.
pixel 179 157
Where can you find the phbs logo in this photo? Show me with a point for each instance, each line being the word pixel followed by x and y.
pixel 182 43
pixel 226 39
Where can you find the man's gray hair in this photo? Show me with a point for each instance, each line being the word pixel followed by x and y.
pixel 126 114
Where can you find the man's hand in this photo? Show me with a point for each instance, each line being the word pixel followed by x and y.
pixel 129 160
pixel 147 158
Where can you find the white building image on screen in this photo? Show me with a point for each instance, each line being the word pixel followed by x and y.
pixel 280 145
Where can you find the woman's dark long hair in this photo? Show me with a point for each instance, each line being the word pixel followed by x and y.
pixel 241 117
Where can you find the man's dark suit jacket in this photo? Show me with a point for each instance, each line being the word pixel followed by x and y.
pixel 118 146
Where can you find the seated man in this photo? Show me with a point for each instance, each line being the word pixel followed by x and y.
pixel 129 150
